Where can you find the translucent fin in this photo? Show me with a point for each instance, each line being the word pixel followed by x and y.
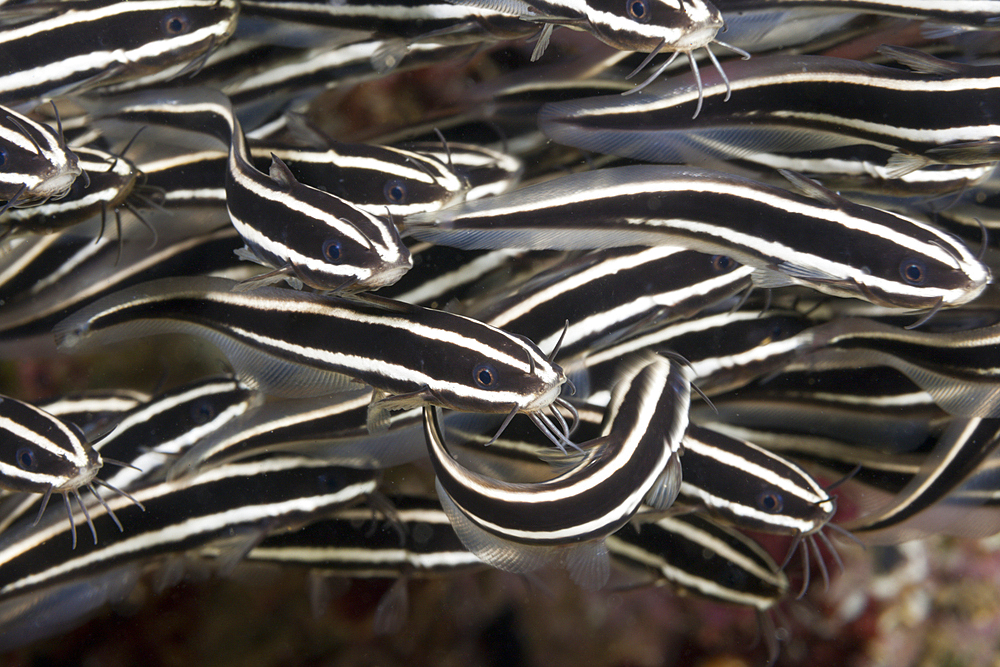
pixel 378 413
pixel 901 164
pixel 589 564
pixel 492 550
pixel 543 42
pixel 508 7
pixel 967 152
pixel 387 57
pixel 54 610
pixel 958 396
pixel 918 61
pixel 667 486
pixel 811 188
pixel 393 609
pixel 319 593
pixel 770 279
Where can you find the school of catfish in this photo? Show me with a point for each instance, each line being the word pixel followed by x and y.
pixel 608 327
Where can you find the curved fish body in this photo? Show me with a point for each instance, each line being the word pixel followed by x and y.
pixel 307 235
pixel 35 163
pixel 821 241
pixel 302 344
pixel 520 527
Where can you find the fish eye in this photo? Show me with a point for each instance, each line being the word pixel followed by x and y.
pixel 913 271
pixel 176 24
pixel 638 10
pixel 485 376
pixel 202 412
pixel 722 263
pixel 770 502
pixel 3 156
pixel 395 192
pixel 332 250
pixel 25 458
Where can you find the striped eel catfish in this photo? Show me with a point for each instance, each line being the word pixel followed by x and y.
pixel 959 369
pixel 47 278
pixel 749 487
pixel 822 241
pixel 92 410
pixel 301 344
pixel 237 503
pixel 159 430
pixel 725 350
pixel 982 14
pixel 109 185
pixel 696 556
pixel 332 428
pixel 35 163
pixel 648 26
pixel 98 42
pixel 943 112
pixel 41 454
pixel 306 235
pixel 610 293
pixel 375 179
pixel 521 527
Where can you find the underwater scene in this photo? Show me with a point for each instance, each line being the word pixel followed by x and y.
pixel 500 332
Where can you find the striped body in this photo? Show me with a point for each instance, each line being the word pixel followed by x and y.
pixel 41 453
pixel 960 369
pixel 982 14
pixel 304 344
pixel 829 244
pixel 605 293
pixel 35 163
pixel 95 42
pixel 109 182
pixel 181 516
pixel 303 233
pixel 942 113
pixel 342 545
pixel 520 527
pixel 694 555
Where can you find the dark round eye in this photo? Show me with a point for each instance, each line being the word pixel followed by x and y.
pixel 913 271
pixel 395 192
pixel 3 156
pixel 25 458
pixel 722 263
pixel 485 376
pixel 770 502
pixel 176 24
pixel 638 10
pixel 202 412
pixel 332 250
